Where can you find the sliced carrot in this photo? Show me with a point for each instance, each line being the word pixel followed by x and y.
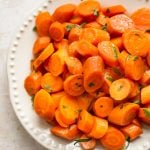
pixel 93 24
pixel 73 85
pixel 69 109
pixel 63 44
pixel 103 106
pixel 45 64
pixel 94 35
pixel 40 44
pixel 68 26
pixel 137 122
pixel 138 38
pixel 93 70
pixel 102 20
pixel 85 122
pixel 98 93
pixel 144 115
pixel 118 24
pixel 51 83
pixel 145 95
pixel 133 131
pixel 99 129
pixel 113 139
pixel 145 78
pixel 123 114
pixel 32 83
pixel 43 22
pixel 47 52
pixel 86 49
pixel 114 10
pixel 44 105
pixel 74 65
pixel 72 50
pixel 109 52
pixel 76 19
pixel 89 145
pixel 57 31
pixel 69 133
pixel 64 12
pixel 118 42
pixel 148 58
pixel 141 18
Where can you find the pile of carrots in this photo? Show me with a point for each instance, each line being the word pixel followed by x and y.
pixel 90 75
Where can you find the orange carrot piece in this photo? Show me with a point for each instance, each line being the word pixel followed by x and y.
pixel 69 133
pixel 113 134
pixel 73 85
pixel 144 115
pixel 99 129
pixel 93 70
pixel 137 122
pixel 76 19
pixel 44 105
pixel 133 131
pixel 123 114
pixel 118 42
pixel 145 78
pixel 93 24
pixel 98 93
pixel 140 39
pixel 109 52
pixel 148 58
pixel 72 50
pixel 85 122
pixel 63 44
pixel 64 12
pixel 102 20
pixel 103 106
pixel 47 52
pixel 145 95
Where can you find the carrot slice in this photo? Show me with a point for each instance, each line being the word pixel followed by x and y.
pixel 102 20
pixel 69 133
pixel 118 24
pixel 113 139
pixel 109 52
pixel 118 42
pixel 72 50
pixel 123 114
pixel 69 109
pixel 133 131
pixel 93 70
pixel 103 106
pixel 93 24
pixel 141 18
pixel 73 85
pixel 114 10
pixel 98 93
pixel 44 105
pixel 148 58
pixel 137 122
pixel 144 115
pixel 140 39
pixel 145 95
pixel 99 129
pixel 145 78
pixel 43 22
pixel 32 83
pixel 64 12
pixel 63 44
pixel 76 19
pixel 85 122
pixel 48 51
pixel 120 89
pixel 51 83
pixel 74 65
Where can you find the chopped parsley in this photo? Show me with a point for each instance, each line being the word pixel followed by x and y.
pixel 104 27
pixel 147 112
pixel 115 52
pixel 117 71
pixel 82 140
pixel 91 84
pixel 69 27
pixel 136 101
pixel 135 58
pixel 96 12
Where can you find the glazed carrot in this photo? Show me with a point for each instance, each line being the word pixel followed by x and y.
pixel 144 115
pixel 64 12
pixel 69 133
pixel 47 52
pixel 148 58
pixel 145 95
pixel 68 26
pixel 51 83
pixel 99 129
pixel 118 42
pixel 133 131
pixel 40 44
pixel 72 50
pixel 113 134
pixel 137 122
pixel 113 10
pixel 89 145
pixel 98 93
pixel 93 24
pixel 76 19
pixel 85 122
pixel 45 65
pixel 145 78
pixel 86 49
pixel 32 83
pixel 74 34
pixel 73 85
pixel 141 18
pixel 103 106
pixel 89 9
pixel 140 39
pixel 69 109
pixel 102 20
pixel 43 22
pixel 44 105
pixel 94 35
pixel 118 24
pixel 120 89
pixel 74 65
pixel 57 31
pixel 93 70
pixel 63 44
pixel 109 52
pixel 123 114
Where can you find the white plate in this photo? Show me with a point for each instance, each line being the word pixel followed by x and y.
pixel 19 57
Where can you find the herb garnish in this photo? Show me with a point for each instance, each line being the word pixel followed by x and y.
pixel 82 140
pixel 69 27
pixel 117 71
pixel 91 84
pixel 135 58
pixel 34 29
pixel 147 112
pixel 110 78
pixel 115 51
pixel 96 12
pixel 104 27
pixel 137 101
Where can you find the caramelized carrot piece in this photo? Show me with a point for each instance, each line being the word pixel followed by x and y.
pixel 145 78
pixel 118 42
pixel 98 93
pixel 72 50
pixel 148 58
pixel 145 95
pixel 137 122
pixel 144 115
pixel 102 20
pixel 93 24
pixel 76 19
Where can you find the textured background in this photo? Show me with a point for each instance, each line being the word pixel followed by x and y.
pixel 12 134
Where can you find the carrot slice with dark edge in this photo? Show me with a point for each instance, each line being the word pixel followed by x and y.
pixel 144 115
pixel 145 95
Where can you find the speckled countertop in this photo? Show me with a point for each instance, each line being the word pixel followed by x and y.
pixel 12 134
